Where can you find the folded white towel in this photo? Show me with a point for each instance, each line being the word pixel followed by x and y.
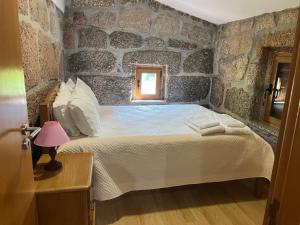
pixel 203 122
pixel 231 122
pixel 237 130
pixel 213 130
pixel 207 131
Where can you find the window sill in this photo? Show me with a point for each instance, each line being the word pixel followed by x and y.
pixel 148 102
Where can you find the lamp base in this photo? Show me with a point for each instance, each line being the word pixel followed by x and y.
pixel 53 165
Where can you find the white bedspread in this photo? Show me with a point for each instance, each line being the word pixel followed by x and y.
pixel 149 147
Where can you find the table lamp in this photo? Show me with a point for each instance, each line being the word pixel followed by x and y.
pixel 52 136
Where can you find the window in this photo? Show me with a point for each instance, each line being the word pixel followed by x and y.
pixel 148 84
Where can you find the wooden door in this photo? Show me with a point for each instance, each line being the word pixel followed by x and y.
pixel 284 199
pixel 17 202
pixel 289 213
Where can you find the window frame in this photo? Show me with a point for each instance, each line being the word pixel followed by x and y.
pixel 159 83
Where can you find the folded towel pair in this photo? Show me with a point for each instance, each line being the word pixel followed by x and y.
pixel 231 122
pixel 207 131
pixel 237 131
pixel 221 130
pixel 202 122
pixel 233 126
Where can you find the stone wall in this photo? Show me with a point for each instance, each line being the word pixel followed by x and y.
pixel 241 61
pixel 105 40
pixel 42 49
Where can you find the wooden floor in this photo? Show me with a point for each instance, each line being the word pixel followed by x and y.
pixel 228 203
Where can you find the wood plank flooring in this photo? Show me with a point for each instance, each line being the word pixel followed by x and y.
pixel 226 203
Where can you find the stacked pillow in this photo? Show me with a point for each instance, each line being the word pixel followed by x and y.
pixel 76 108
pixel 61 110
pixel 84 109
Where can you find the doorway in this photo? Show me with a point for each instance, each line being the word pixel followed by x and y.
pixel 275 94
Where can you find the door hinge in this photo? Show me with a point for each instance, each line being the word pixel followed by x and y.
pixel 273 211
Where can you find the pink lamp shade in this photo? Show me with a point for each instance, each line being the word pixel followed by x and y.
pixel 51 135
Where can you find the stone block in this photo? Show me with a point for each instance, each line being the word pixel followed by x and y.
pixel 199 34
pixel 238 102
pixel 172 59
pixel 92 61
pixel 263 22
pixel 217 92
pixel 39 13
pixel 187 88
pixel 154 42
pixel 246 25
pixel 236 45
pixel 55 25
pixel 201 61
pixel 23 7
pixel 102 19
pixel 119 39
pixel 69 36
pixel 278 39
pixel 92 37
pixel 111 90
pixel 154 5
pixel 165 7
pixel 131 2
pixel 233 69
pixel 49 57
pixel 183 45
pixel 92 3
pixel 288 17
pixel 135 18
pixel 29 55
pixel 166 24
pixel 62 66
pixel 231 28
pixel 252 74
pixel 79 18
pixel 34 99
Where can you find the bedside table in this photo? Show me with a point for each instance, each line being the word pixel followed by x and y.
pixel 64 197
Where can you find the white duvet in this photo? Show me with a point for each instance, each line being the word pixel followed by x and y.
pixel 149 147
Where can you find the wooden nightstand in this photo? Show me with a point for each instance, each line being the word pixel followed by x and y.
pixel 64 197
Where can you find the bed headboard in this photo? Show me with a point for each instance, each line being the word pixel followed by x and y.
pixel 46 105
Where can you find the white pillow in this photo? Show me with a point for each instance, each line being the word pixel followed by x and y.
pixel 61 111
pixel 84 112
pixel 87 90
pixel 70 84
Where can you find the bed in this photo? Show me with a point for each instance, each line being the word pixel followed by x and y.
pixel 150 147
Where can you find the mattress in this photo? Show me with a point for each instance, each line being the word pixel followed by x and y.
pixel 150 147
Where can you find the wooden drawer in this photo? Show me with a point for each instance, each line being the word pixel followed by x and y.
pixel 64 197
pixel 68 208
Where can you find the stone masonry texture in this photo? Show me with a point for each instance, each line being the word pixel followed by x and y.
pixel 242 62
pixel 41 29
pixel 105 40
pixel 239 61
pixel 102 41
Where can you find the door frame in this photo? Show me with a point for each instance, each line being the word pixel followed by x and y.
pixel 277 58
pixel 276 209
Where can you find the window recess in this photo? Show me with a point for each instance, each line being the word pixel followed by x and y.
pixel 149 84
